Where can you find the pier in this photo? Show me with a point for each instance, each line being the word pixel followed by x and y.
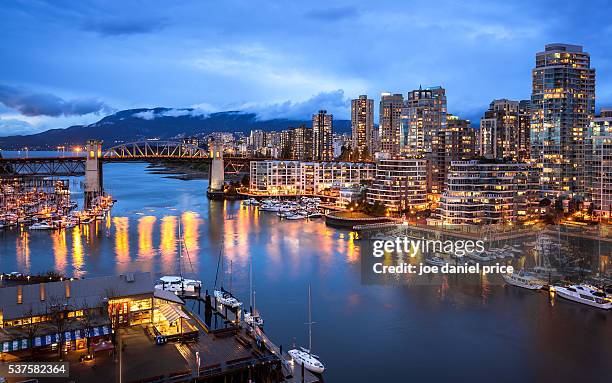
pixel 263 349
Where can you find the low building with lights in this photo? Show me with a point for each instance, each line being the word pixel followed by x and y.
pixel 306 178
pixel 486 192
pixel 72 313
pixel 399 184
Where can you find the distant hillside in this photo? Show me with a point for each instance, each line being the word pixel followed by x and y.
pixel 163 123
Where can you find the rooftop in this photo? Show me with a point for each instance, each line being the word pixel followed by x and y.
pixel 80 293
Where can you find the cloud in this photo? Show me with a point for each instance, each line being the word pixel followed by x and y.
pixel 152 114
pixel 124 27
pixel 46 104
pixel 334 13
pixel 334 102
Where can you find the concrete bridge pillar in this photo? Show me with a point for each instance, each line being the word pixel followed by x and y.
pixel 93 172
pixel 216 176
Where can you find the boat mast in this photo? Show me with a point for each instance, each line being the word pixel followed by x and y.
pixel 251 303
pixel 230 281
pixel 310 322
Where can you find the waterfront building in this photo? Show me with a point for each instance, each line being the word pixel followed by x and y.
pixel 362 126
pixel 598 158
pixel 389 122
pixel 69 312
pixel 504 130
pixel 306 178
pixel 322 136
pixel 399 184
pixel 423 116
pixel 562 106
pixel 455 142
pixel 487 192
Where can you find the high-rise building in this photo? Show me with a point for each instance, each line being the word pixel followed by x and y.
pixel 362 125
pixel 480 192
pixel 598 164
pixel 389 122
pixel 399 184
pixel 562 105
pixel 302 145
pixel 423 116
pixel 455 142
pixel 322 136
pixel 504 130
pixel 257 140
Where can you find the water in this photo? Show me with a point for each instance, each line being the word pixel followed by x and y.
pixel 363 333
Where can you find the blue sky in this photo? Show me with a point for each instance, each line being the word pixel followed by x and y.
pixel 69 62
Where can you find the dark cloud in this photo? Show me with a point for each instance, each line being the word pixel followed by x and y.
pixel 123 27
pixel 334 102
pixel 46 104
pixel 333 14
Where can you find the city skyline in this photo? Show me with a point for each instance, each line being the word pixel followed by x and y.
pixel 171 50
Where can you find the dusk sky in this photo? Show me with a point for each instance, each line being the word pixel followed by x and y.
pixel 69 62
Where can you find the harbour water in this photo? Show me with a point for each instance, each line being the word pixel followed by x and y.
pixel 364 333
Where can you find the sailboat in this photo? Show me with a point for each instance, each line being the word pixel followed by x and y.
pixel 177 283
pixel 303 356
pixel 250 317
pixel 221 296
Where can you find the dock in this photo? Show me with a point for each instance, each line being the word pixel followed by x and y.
pixel 262 348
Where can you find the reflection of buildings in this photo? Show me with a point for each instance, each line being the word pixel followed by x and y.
pixel 400 184
pixel 294 177
pixel 486 192
pixel 40 316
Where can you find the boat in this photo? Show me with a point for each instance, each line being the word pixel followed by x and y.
pixel 295 216
pixel 40 226
pixel 585 295
pixel 303 356
pixel 177 283
pixel 221 295
pixel 226 298
pixel 435 260
pixel 524 280
pixel 250 316
pixel 482 257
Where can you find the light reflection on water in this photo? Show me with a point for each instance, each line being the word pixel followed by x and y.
pixel 383 325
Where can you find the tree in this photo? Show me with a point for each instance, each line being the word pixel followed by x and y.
pixel 57 310
pixel 87 323
pixel 31 328
pixel 245 180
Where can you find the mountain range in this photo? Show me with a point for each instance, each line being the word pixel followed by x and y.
pixel 162 123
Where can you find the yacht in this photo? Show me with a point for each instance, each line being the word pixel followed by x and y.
pixel 584 294
pixel 482 257
pixel 221 295
pixel 435 260
pixel 303 356
pixel 178 284
pixel 296 216
pixel 41 226
pixel 524 280
pixel 226 299
pixel 251 317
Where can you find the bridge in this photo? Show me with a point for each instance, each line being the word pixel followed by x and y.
pixel 90 163
pixel 141 151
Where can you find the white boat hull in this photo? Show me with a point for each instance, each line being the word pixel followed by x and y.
pixel 309 361
pixel 528 286
pixel 563 294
